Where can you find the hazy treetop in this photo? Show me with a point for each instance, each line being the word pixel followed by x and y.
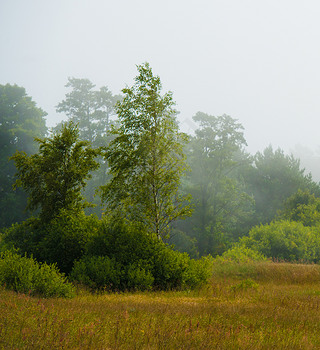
pixel 257 61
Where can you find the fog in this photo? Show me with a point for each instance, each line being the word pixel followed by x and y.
pixel 257 61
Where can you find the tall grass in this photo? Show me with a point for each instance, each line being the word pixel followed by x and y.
pixel 246 306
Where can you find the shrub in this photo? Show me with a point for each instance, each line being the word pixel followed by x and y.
pixel 101 272
pixel 25 236
pixel 61 241
pixel 174 270
pixel 285 240
pixel 139 259
pixel 65 238
pixel 198 272
pixel 26 275
pixel 138 278
pixel 126 242
pixel 97 272
pixel 239 253
pixel 168 267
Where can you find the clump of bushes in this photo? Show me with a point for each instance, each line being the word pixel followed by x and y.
pixel 123 256
pixel 285 240
pixel 294 236
pixel 101 272
pixel 240 254
pixel 26 275
pixel 239 262
pixel 62 240
pixel 115 255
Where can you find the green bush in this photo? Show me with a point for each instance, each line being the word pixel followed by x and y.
pixel 285 240
pixel 198 272
pixel 101 272
pixel 26 275
pixel 97 272
pixel 62 241
pixel 138 278
pixel 169 267
pixel 175 270
pixel 66 237
pixel 140 260
pixel 25 236
pixel 241 254
pixel 126 242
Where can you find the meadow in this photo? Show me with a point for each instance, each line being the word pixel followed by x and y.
pixel 254 305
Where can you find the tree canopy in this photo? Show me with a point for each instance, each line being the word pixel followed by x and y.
pixel 91 109
pixel 146 157
pixel 55 176
pixel 214 154
pixel 273 178
pixel 20 121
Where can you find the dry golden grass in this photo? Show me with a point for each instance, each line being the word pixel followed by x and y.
pixel 246 306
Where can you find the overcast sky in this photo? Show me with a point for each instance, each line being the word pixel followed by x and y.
pixel 257 61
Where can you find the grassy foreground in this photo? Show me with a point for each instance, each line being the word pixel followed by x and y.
pixel 246 306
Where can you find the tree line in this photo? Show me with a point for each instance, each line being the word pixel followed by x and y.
pixel 124 157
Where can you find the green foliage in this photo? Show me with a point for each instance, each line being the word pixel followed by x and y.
pixel 214 154
pixel 272 179
pixel 25 275
pixel 303 207
pixel 20 121
pixel 65 238
pixel 239 261
pixel 285 240
pixel 241 254
pixel 139 260
pixel 169 268
pixel 175 270
pixel 101 272
pixel 93 110
pixel 56 175
pixel 138 277
pixel 25 236
pixel 146 157
pixel 97 272
pixel 198 272
pixel 181 241
pixel 124 241
pixel 61 240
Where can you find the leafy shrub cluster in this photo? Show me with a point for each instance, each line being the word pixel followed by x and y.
pixel 123 256
pixel 302 207
pixel 108 255
pixel 26 275
pixel 285 240
pixel 61 241
pixel 101 272
pixel 241 254
pixel 293 236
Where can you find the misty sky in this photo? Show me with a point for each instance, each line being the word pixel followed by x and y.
pixel 257 61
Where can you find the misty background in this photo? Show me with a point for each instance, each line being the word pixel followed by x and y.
pixel 255 61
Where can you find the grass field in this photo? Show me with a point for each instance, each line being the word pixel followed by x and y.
pixel 246 306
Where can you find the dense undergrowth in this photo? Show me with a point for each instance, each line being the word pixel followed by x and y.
pixel 102 255
pixel 25 275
